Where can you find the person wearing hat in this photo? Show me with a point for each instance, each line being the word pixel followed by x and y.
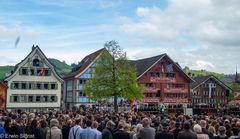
pixel 164 134
pixel 54 132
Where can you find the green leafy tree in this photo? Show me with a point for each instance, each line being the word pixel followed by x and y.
pixel 114 76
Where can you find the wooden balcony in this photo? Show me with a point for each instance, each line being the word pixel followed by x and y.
pixel 164 79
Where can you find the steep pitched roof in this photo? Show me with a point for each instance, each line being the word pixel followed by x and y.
pixel 201 79
pixel 34 49
pixel 143 65
pixel 86 62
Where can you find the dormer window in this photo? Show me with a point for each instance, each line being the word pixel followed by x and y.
pixel 36 62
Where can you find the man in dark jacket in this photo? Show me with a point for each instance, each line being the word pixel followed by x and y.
pixel 176 130
pixel 107 131
pixel 187 133
pixel 203 124
pixel 120 133
pixel 66 129
pixel 164 134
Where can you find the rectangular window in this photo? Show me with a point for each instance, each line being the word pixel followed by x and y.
pixel 30 98
pixel 80 94
pixel 15 98
pixel 38 85
pixel 53 86
pixel 30 85
pixel 24 71
pixel 46 72
pixel 45 98
pixel 32 72
pixel 52 98
pixel 23 99
pixel 38 98
pixel 24 85
pixel 45 86
pixel 16 86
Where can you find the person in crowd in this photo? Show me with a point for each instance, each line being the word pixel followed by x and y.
pixel 88 133
pixel 43 128
pixel 138 128
pixel 176 130
pixel 54 132
pixel 187 133
pixel 95 129
pixel 212 130
pixel 107 131
pixel 235 131
pixel 221 133
pixel 66 129
pixel 164 134
pixel 146 132
pixel 75 131
pixel 203 124
pixel 198 130
pixel 121 133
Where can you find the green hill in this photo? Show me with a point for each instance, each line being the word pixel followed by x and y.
pixel 61 68
pixel 4 70
pixel 203 72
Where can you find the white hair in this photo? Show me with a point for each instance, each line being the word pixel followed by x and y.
pixel 197 128
pixel 138 127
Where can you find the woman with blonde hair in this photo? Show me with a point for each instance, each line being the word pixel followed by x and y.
pixel 138 128
pixel 198 130
pixel 212 130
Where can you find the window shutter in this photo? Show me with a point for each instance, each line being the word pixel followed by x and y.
pixel 27 85
pixel 11 98
pixel 56 98
pixel 49 86
pixel 56 86
pixel 12 85
pixel 49 72
pixel 49 98
pixel 34 98
pixel 18 98
pixel 20 71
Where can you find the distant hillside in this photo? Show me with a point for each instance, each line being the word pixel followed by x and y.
pixel 203 72
pixel 61 68
pixel 4 70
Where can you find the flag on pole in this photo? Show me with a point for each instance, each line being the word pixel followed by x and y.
pixel 132 106
pixel 42 71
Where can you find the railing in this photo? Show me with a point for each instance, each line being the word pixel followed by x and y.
pixel 173 90
pixel 174 100
pixel 165 79
pixel 152 90
pixel 150 99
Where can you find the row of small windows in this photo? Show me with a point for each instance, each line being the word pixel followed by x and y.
pixel 209 101
pixel 213 93
pixel 33 98
pixel 34 85
pixel 162 75
pixel 35 71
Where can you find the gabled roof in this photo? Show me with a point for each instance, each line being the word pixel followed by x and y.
pixel 35 49
pixel 85 63
pixel 143 65
pixel 201 79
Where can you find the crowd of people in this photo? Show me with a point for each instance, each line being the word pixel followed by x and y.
pixel 100 124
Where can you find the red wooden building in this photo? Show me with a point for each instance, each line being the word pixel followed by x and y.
pixel 165 82
pixel 3 95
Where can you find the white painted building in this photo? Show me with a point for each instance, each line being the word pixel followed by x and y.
pixel 34 85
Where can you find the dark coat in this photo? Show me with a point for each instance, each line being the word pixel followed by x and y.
pixel 187 134
pixel 175 132
pixel 204 130
pixel 164 135
pixel 65 131
pixel 107 134
pixel 120 134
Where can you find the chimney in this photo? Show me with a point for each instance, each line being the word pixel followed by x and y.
pixel 33 47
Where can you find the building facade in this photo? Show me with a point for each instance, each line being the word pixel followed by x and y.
pixel 3 95
pixel 34 85
pixel 165 82
pixel 209 92
pixel 74 82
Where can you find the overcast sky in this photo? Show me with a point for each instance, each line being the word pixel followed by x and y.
pixel 200 34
